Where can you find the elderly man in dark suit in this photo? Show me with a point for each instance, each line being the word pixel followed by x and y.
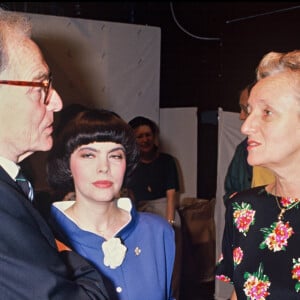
pixel 31 266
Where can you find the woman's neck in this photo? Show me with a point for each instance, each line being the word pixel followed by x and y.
pixel 281 188
pixel 148 157
pixel 104 223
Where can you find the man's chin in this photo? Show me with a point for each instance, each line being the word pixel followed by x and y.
pixel 46 144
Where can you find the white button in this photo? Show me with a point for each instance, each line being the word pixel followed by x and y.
pixel 119 289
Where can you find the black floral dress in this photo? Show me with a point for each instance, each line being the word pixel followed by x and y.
pixel 260 250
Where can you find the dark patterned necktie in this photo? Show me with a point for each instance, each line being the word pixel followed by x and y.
pixel 25 186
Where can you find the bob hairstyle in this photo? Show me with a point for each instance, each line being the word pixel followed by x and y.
pixel 85 127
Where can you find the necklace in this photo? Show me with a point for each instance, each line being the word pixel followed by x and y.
pixel 148 159
pixel 149 171
pixel 276 236
pixel 287 204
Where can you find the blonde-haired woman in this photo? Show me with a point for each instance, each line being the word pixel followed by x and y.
pixel 260 252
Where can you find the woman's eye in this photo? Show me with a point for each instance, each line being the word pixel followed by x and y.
pixel 87 155
pixel 117 156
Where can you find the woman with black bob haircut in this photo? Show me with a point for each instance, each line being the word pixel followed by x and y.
pixel 88 126
pixel 92 153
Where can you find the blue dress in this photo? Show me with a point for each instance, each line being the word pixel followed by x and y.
pixel 146 271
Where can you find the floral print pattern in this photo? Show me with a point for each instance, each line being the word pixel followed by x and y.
pixel 288 201
pixel 237 256
pixel 223 278
pixel 256 285
pixel 257 246
pixel 276 236
pixel 296 273
pixel 243 217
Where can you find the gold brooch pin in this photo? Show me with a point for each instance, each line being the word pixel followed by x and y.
pixel 137 251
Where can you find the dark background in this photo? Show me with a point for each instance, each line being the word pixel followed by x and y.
pixel 209 51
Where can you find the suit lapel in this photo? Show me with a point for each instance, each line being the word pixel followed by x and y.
pixel 20 205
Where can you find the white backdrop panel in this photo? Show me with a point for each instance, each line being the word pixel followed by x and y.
pixel 229 136
pixel 104 64
pixel 101 64
pixel 178 136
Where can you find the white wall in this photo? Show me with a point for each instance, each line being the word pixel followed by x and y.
pixel 101 64
pixel 105 64
pixel 229 136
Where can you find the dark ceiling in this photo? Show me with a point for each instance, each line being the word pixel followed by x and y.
pixel 199 18
pixel 192 38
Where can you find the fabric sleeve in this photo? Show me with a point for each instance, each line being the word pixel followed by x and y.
pixel 170 247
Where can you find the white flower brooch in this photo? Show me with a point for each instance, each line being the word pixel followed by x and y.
pixel 114 252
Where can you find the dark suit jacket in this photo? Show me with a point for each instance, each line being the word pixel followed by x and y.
pixel 30 265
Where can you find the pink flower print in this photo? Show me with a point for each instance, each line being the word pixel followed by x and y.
pixel 256 285
pixel 296 273
pixel 276 236
pixel 237 256
pixel 223 278
pixel 286 201
pixel 256 289
pixel 243 217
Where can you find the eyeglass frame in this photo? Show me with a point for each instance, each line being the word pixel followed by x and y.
pixel 46 84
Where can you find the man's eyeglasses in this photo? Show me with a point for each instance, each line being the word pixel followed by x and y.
pixel 45 84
